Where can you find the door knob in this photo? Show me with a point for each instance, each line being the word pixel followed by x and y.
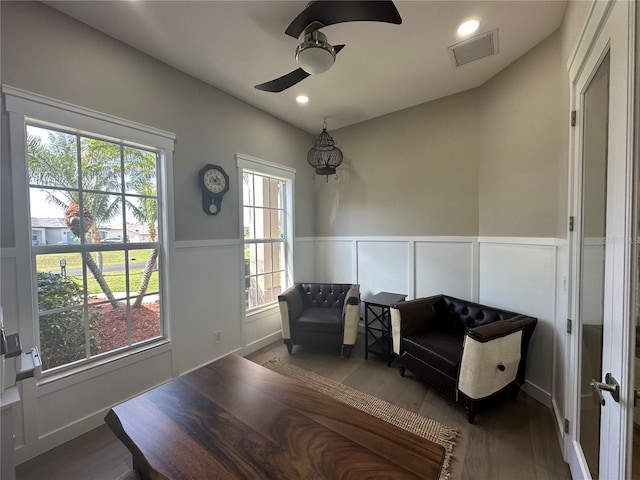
pixel 610 385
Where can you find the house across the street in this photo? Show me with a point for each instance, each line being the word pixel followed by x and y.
pixel 53 231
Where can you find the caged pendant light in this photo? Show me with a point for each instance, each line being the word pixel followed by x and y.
pixel 324 156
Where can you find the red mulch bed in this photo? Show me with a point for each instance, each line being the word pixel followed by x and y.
pixel 111 330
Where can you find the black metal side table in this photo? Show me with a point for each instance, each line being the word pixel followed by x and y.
pixel 377 330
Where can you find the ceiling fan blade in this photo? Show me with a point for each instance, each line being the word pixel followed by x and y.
pixel 290 79
pixel 283 82
pixel 323 13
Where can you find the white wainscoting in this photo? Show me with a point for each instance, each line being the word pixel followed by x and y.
pixel 207 295
pixel 560 340
pixel 446 266
pixel 519 274
pixel 384 264
pixel 335 261
pixel 206 298
pixel 55 412
pixel 70 407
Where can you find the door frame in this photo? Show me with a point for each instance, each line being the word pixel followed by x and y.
pixel 597 37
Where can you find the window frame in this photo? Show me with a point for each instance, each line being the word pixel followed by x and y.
pixel 25 108
pixel 279 172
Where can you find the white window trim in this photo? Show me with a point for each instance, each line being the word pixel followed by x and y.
pixel 23 106
pixel 84 120
pixel 278 171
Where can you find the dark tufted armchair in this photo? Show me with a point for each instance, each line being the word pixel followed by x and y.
pixel 314 313
pixel 469 351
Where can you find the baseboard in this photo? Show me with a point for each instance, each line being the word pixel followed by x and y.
pixel 537 393
pixel 559 424
pixel 258 344
pixel 58 437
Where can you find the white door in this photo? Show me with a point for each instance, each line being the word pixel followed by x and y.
pixel 600 395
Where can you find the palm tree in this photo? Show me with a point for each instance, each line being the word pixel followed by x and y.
pixel 56 165
pixel 72 221
pixel 142 181
pixel 150 208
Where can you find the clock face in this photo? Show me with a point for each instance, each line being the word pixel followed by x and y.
pixel 214 180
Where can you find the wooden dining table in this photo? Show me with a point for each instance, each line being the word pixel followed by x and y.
pixel 233 419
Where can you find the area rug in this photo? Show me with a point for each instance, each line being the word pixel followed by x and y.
pixel 412 422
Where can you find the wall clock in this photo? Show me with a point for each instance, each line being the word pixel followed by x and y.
pixel 214 182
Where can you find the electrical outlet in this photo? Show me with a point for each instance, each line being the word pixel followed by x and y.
pixel 217 336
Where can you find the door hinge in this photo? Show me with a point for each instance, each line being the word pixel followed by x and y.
pixel 572 221
pixel 569 326
pixel 566 425
pixel 574 116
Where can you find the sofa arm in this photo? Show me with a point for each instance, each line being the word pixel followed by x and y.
pixel 290 303
pixel 490 359
pixel 408 318
pixel 528 325
pixel 351 315
pixel 493 330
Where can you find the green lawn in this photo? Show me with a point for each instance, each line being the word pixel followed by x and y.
pixel 116 282
pixel 51 262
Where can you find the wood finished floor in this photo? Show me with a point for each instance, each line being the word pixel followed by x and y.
pixel 511 440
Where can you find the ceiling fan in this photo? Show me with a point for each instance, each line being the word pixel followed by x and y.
pixel 315 54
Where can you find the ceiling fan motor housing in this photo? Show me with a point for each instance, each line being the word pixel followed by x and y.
pixel 315 54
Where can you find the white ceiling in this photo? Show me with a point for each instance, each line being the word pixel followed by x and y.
pixel 234 45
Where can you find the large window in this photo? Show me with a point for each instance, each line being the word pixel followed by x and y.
pixel 267 232
pixel 96 243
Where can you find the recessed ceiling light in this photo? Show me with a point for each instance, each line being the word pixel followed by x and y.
pixel 468 27
pixel 302 99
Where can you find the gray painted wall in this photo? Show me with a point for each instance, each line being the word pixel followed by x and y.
pixel 491 161
pixel 522 145
pixel 46 52
pixel 412 172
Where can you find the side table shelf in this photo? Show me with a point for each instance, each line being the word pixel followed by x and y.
pixel 377 324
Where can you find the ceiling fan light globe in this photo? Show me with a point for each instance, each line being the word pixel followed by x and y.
pixel 315 54
pixel 314 59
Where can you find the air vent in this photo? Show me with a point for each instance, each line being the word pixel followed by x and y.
pixel 475 48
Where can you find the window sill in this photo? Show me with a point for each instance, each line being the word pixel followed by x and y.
pixel 51 382
pixel 260 310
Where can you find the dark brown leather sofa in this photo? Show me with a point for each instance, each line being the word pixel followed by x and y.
pixel 470 352
pixel 320 313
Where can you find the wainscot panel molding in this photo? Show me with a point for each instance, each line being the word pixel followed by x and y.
pixel 522 274
pixel 187 244
pixel 206 299
pixel 261 325
pixel 336 261
pixel 75 404
pixel 382 266
pixel 522 277
pixel 445 267
pixel 560 344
